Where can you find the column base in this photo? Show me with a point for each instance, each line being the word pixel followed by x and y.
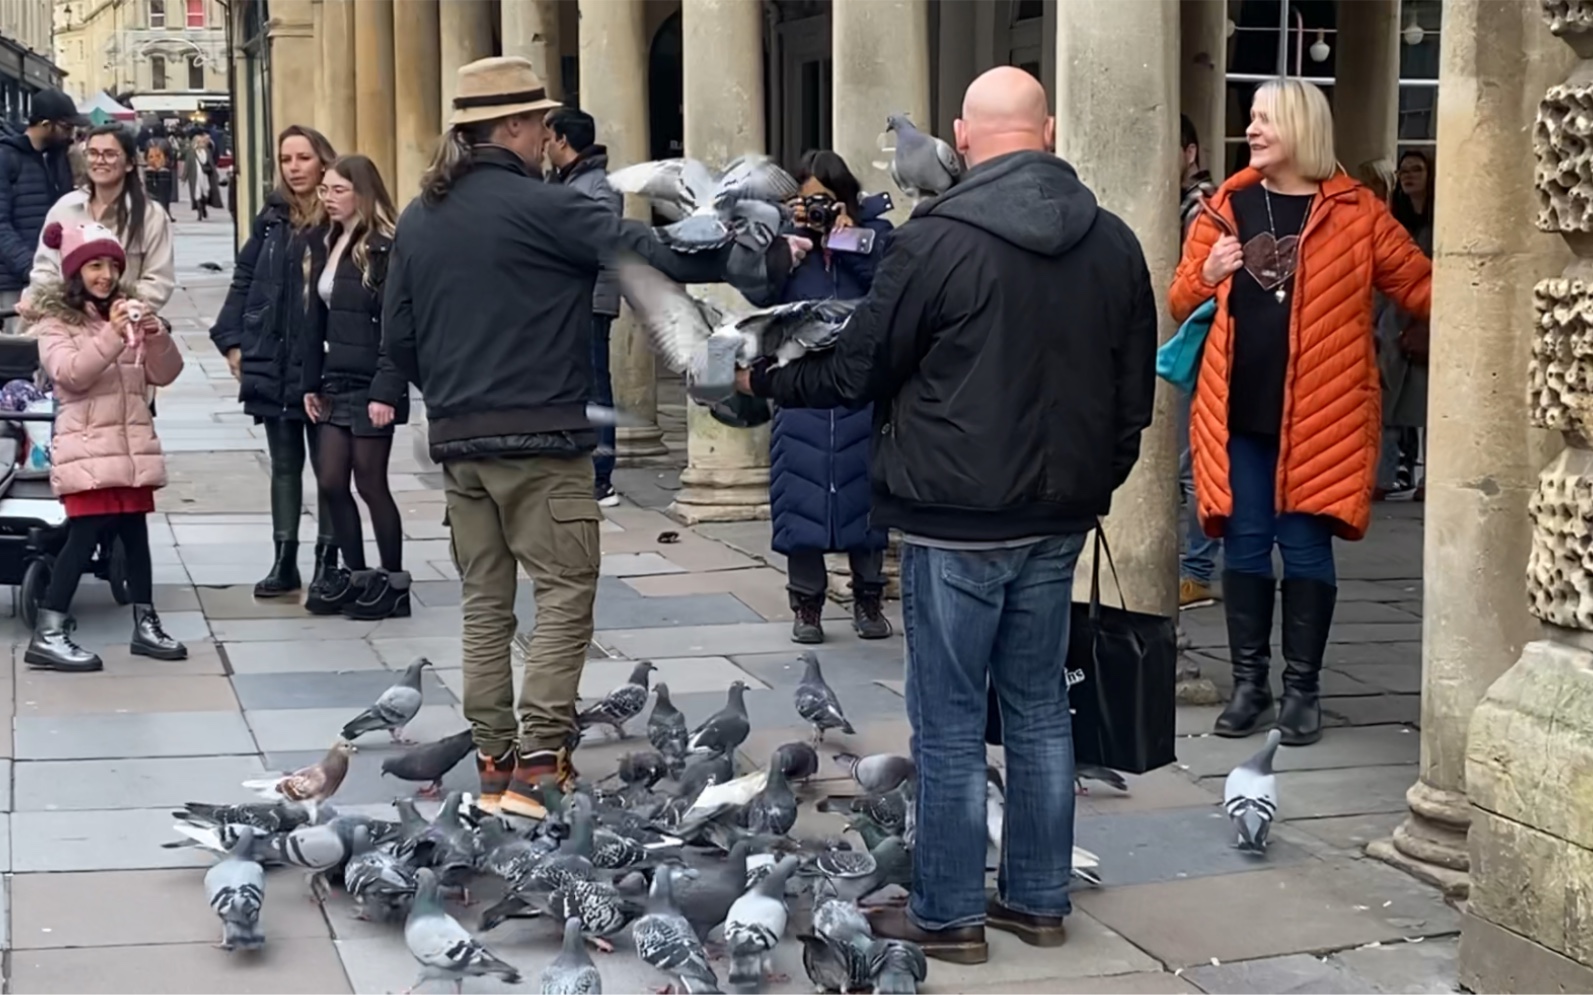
pixel 634 443
pixel 740 495
pixel 1431 843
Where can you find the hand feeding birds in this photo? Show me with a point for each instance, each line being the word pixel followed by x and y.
pixel 747 200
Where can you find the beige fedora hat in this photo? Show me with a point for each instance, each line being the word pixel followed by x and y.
pixel 501 86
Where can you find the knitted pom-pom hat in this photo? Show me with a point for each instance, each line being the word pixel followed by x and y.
pixel 78 243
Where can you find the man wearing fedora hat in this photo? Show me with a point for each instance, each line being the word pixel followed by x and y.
pixel 488 308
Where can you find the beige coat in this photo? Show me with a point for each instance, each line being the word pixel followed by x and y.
pixel 104 433
pixel 151 273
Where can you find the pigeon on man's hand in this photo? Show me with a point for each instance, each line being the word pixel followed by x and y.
pixel 395 709
pixel 709 210
pixel 446 950
pixel 430 763
pixel 620 705
pixel 235 888
pixel 923 166
pixel 1250 797
pixel 816 701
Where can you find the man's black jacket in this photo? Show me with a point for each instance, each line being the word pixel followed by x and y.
pixel 1008 344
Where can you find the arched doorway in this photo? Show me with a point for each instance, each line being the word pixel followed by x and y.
pixel 666 125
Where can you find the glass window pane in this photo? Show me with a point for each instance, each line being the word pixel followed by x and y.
pixel 1024 10
pixel 1418 113
pixel 196 13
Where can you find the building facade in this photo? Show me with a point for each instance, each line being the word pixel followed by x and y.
pixel 27 55
pixel 166 58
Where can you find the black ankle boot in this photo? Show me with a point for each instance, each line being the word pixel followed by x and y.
pixel 150 638
pixel 284 576
pixel 336 590
pixel 1307 620
pixel 1247 602
pixel 325 565
pixel 385 595
pixel 809 609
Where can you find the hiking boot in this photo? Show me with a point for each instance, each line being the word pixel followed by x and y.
pixel 963 945
pixel 284 576
pixel 524 795
pixel 1248 604
pixel 1036 931
pixel 150 638
pixel 809 608
pixel 868 615
pixel 385 596
pixel 495 773
pixel 337 589
pixel 325 566
pixel 52 648
pixel 1195 594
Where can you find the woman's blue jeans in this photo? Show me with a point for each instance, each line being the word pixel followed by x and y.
pixel 1305 541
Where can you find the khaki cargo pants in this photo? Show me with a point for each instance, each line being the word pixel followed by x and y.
pixel 537 512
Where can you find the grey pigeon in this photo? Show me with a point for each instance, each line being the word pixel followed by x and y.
pixel 620 705
pixel 381 884
pixel 1250 797
pixel 505 854
pixel 394 710
pixel 1094 772
pixel 572 971
pixel 706 898
pixel 448 846
pixel 923 166
pixel 898 967
pixel 323 848
pixel 235 888
pixel 430 763
pixel 445 949
pixel 773 810
pixel 799 760
pixel 268 817
pixel 853 875
pixel 709 207
pixel 643 769
pixel 665 938
pixel 603 911
pixel 754 925
pixel 727 728
pixel 836 954
pixel 666 730
pixel 879 772
pixel 816 701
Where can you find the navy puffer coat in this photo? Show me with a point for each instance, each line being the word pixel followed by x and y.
pixel 30 183
pixel 819 459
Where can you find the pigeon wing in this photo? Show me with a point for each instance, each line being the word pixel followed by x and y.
pixel 754 177
pixel 676 187
pixel 398 704
pixel 948 158
pixel 676 324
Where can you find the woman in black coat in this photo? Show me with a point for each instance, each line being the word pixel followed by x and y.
pixel 262 330
pixel 342 361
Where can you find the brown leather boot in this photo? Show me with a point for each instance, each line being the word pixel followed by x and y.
pixel 964 945
pixel 1036 931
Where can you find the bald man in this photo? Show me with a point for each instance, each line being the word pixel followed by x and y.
pixel 1009 346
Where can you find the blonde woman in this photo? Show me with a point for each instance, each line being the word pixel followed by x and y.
pixel 1287 415
pixel 341 361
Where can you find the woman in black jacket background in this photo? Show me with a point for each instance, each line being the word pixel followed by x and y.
pixel 342 358
pixel 262 331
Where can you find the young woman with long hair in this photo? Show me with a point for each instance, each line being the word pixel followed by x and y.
pixel 342 358
pixel 262 330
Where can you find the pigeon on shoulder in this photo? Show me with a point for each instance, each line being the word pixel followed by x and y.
pixel 923 165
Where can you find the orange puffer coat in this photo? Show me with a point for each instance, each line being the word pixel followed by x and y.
pixel 1332 408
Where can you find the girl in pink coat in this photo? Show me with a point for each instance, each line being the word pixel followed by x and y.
pixel 102 350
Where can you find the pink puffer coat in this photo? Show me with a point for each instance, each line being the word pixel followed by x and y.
pixel 104 434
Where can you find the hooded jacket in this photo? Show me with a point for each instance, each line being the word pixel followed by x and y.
pixel 30 183
pixel 589 175
pixel 1008 344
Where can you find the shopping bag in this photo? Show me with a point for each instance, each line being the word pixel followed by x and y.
pixel 1178 359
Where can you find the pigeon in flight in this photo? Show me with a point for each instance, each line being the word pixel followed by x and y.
pixel 709 211
pixel 1250 797
pixel 923 166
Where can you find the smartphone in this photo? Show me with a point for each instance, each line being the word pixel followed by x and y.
pixel 859 240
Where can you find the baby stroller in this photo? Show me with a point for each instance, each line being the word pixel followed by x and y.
pixel 32 518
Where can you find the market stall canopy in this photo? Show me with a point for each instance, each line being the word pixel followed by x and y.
pixel 101 108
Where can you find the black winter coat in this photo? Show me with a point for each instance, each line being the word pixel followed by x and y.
pixel 30 183
pixel 343 352
pixel 268 311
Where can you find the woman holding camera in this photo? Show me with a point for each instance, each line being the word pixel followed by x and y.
pixel 818 473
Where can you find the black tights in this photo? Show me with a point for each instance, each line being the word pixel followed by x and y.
pixel 286 440
pixel 83 538
pixel 344 455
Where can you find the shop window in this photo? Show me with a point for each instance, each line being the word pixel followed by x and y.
pixel 196 73
pixel 157 72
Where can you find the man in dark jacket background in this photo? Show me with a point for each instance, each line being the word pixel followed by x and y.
pixel 35 172
pixel 1008 344
pixel 579 162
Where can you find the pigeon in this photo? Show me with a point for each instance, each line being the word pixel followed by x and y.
pixel 923 166
pixel 726 729
pixel 706 898
pixel 620 705
pixel 704 772
pixel 448 846
pixel 754 925
pixel 310 785
pixel 799 760
pixel 836 954
pixel 1250 796
pixel 322 848
pixel 666 730
pixel 773 810
pixel 572 971
pixel 712 210
pixel 603 911
pixel 381 884
pixel 395 709
pixel 643 769
pixel 235 888
pixel 665 938
pixel 853 875
pixel 430 763
pixel 267 817
pixel 210 267
pixel 1094 772
pixel 898 967
pixel 879 772
pixel 816 701
pixel 506 855
pixel 445 949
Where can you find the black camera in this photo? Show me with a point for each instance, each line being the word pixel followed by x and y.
pixel 820 212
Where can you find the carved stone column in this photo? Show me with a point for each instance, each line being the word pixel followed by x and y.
pixel 334 73
pixel 417 94
pixel 465 27
pixel 531 31
pixel 1366 85
pixel 294 53
pixel 880 52
pixel 373 76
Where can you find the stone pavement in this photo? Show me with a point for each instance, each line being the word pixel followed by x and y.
pixel 93 904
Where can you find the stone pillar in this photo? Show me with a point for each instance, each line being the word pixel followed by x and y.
pixel 531 31
pixel 957 63
pixel 417 94
pixel 1366 84
pixel 466 30
pixel 373 93
pixel 294 54
pixel 334 74
pixel 1110 56
pixel 1483 456
pixel 880 53
pixel 1203 85
pixel 727 470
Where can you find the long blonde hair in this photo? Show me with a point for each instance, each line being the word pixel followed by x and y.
pixel 305 211
pixel 373 211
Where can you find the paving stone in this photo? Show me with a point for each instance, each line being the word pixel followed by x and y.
pixel 1160 789
pixel 63 785
pixel 1427 967
pixel 1372 611
pixel 366 784
pixel 1197 720
pixel 442 651
pixel 204 659
pixel 294 655
pixel 353 689
pixel 1351 832
pixel 711 640
pixel 236 630
pixel 684 675
pixel 137 908
pixel 1356 589
pixel 5 790
pixel 259 553
pixel 1315 794
pixel 422 621
pixel 238 601
pixel 287 967
pixel 761 588
pixel 1375 632
pixel 855 662
pixel 116 627
pixel 97 839
pixel 45 693
pixel 1279 976
pixel 1205 756
pixel 291 729
pixel 149 734
pixel 436 593
pixel 1171 844
pixel 1399 680
pixel 1139 983
pixel 637 564
pixel 1371 710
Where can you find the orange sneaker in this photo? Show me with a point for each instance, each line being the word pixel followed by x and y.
pixel 524 795
pixel 495 773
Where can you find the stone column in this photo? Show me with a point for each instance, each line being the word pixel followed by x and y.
pixel 1366 85
pixel 1203 85
pixel 727 470
pixel 880 53
pixel 957 62
pixel 417 94
pixel 1111 56
pixel 373 93
pixel 466 30
pixel 1483 456
pixel 294 54
pixel 614 91
pixel 334 74
pixel 531 31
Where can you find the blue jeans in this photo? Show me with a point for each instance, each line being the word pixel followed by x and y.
pixel 973 618
pixel 1199 562
pixel 1306 541
pixel 603 394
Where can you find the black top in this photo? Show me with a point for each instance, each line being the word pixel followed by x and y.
pixel 1260 321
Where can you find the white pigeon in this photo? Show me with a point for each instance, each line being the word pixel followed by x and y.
pixel 708 211
pixel 1086 865
pixel 923 165
pixel 754 926
pixel 1250 797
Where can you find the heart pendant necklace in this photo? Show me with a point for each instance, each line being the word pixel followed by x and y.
pixel 1285 251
